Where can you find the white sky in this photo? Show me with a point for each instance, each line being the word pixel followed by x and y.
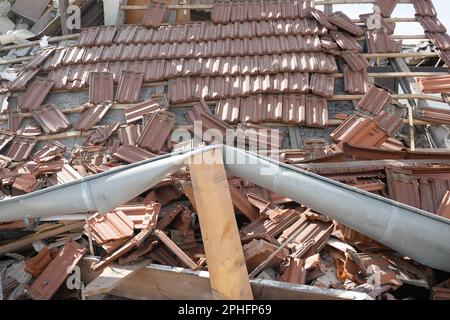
pixel 401 11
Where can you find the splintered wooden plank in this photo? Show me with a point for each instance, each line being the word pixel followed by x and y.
pixel 111 277
pixel 224 253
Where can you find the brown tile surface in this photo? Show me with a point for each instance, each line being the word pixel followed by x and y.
pixel 14 120
pixel 56 271
pixel 5 138
pixel 355 82
pixel 346 41
pixel 51 151
pixel 129 87
pixel 155 15
pixel 101 87
pixel 20 83
pixel 342 21
pixel 386 7
pixel 375 100
pixel 110 226
pixel 157 131
pixel 135 113
pixel 91 116
pixel 4 101
pixel 356 61
pixel 431 24
pixel 88 36
pixel 322 85
pixel 38 263
pixel 35 94
pixel 378 41
pixel 424 7
pixel 39 59
pixel 21 148
pixel 101 134
pixel 51 119
pixel 435 84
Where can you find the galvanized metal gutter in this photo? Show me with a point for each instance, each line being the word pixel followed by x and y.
pixel 420 235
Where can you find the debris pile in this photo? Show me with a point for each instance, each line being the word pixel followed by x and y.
pixel 117 97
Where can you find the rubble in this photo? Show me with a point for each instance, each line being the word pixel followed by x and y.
pixel 100 127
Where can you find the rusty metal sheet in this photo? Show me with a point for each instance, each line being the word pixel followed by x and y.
pixel 129 87
pixel 375 100
pixel 50 118
pixel 91 116
pixel 35 94
pixel 101 87
pixel 21 148
pixel 56 272
pixel 155 15
pixel 31 12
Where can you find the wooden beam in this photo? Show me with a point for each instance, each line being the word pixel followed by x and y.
pixel 224 253
pixel 27 241
pixel 63 16
pixel 111 277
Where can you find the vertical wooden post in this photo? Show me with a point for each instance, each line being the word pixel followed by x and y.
pixel 63 17
pixel 223 248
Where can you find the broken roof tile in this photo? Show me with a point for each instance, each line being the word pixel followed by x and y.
pixel 389 122
pixel 129 87
pixel 135 113
pixel 4 101
pixel 110 226
pixel 386 7
pixel 355 82
pixel 31 131
pixel 132 154
pixel 424 7
pixel 40 58
pixel 356 61
pixel 101 134
pixel 50 118
pixel 129 135
pixel 49 281
pixel 51 151
pixel 345 41
pixel 155 15
pixel 342 21
pixel 21 148
pixel 91 116
pixel 322 85
pixel 378 41
pixel 14 120
pixel 5 138
pixel 157 131
pixel 375 100
pixel 20 83
pixel 101 87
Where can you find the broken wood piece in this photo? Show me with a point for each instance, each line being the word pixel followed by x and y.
pixel 227 267
pixel 111 277
pixel 175 249
pixel 27 241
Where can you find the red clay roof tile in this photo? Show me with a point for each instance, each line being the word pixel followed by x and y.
pixel 375 100
pixel 155 15
pixel 157 130
pixel 355 82
pixel 129 87
pixel 91 116
pixel 51 119
pixel 132 154
pixel 101 87
pixel 35 94
pixel 21 148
